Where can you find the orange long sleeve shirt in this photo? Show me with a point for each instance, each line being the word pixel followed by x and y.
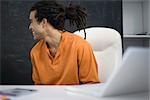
pixel 74 62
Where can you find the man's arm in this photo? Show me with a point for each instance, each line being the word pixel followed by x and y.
pixel 88 70
pixel 35 76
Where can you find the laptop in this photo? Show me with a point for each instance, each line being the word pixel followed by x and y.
pixel 130 77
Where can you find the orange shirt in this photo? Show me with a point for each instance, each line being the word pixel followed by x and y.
pixel 74 62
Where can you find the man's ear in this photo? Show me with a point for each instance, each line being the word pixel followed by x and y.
pixel 44 22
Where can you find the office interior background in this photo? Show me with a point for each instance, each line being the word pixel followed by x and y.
pixel 128 17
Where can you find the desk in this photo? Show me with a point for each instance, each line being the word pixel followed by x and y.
pixel 60 93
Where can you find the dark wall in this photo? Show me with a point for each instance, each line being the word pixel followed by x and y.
pixel 16 43
pixel 16 40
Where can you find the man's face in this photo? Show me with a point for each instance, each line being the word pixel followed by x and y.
pixel 35 27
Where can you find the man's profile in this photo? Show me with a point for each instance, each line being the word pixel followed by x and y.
pixel 60 57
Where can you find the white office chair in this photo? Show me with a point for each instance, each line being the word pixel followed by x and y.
pixel 107 47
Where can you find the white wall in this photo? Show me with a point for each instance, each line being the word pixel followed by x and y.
pixel 132 17
pixel 149 17
pixel 146 16
pixel 136 16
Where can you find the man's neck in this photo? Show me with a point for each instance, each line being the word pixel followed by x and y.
pixel 53 40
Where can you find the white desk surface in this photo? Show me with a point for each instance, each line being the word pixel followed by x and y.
pixel 53 92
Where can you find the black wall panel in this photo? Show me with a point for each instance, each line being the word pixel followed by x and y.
pixel 16 40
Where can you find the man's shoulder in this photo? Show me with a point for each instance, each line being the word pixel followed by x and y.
pixel 80 41
pixel 37 46
pixel 75 38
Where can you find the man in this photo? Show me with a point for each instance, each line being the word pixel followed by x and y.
pixel 60 57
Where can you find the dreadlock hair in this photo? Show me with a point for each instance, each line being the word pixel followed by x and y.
pixel 56 14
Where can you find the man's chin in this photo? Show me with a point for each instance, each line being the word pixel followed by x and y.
pixel 36 38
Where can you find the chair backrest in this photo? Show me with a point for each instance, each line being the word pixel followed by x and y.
pixel 107 47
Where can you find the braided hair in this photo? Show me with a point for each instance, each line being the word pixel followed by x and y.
pixel 56 14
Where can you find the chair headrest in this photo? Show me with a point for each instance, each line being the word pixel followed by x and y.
pixel 100 38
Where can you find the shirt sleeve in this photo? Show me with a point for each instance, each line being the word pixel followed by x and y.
pixel 35 76
pixel 88 70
